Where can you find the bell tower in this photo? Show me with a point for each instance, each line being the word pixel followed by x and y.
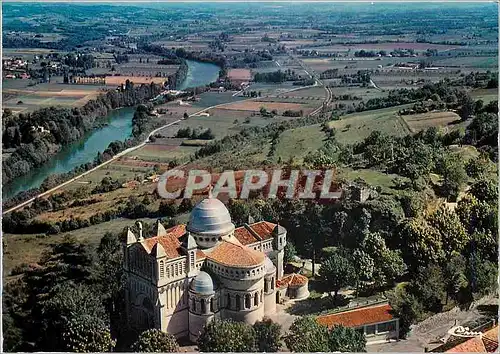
pixel 279 235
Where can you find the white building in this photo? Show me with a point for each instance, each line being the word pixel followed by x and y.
pixel 183 277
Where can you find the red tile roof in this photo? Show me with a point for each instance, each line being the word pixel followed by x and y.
pixel 358 317
pixel 237 255
pixel 255 232
pixel 292 280
pixel 177 230
pixel 492 335
pixel 200 254
pixel 264 229
pixel 473 345
pixel 488 342
pixel 170 242
pixel 244 236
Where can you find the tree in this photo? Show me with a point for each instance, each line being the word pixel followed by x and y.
pixel 467 107
pixel 390 268
pixel 155 341
pixel 337 272
pixel 344 339
pixel 185 206
pixel 167 208
pixel 485 190
pixel 388 264
pixel 429 287
pixel 66 261
pixel 363 267
pixel 307 335
pixel 482 275
pixel 227 336
pixel 484 244
pixel 407 308
pixel 107 277
pixel 135 208
pixel 453 235
pixel 454 176
pixel 290 252
pixel 421 243
pixel 478 216
pixel 86 335
pixel 476 168
pixel 314 228
pixel 267 336
pixel 72 315
pixel 455 277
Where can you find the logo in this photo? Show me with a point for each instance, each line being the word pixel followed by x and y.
pixel 279 183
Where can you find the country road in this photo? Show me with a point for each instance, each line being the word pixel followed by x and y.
pixel 124 152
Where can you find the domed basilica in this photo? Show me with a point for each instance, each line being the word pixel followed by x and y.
pixel 181 278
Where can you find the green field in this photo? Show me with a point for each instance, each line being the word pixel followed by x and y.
pixel 470 62
pixel 374 178
pixel 355 127
pixel 487 95
pixel 297 143
pixel 350 129
pixel 151 154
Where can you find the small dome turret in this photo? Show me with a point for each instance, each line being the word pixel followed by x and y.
pixel 270 267
pixel 203 284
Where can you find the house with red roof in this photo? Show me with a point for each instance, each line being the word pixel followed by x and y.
pixel 463 340
pixel 376 321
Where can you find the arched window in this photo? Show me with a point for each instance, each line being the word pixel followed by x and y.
pixel 212 304
pixel 162 269
pixel 266 285
pixel 203 306
pixel 176 269
pixel 248 301
pixel 272 283
pixel 238 302
pixel 193 305
pixel 228 301
pixel 256 299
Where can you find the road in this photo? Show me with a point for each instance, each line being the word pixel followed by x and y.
pixel 124 152
pixel 317 81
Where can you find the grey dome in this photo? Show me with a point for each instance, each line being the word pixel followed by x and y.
pixel 210 217
pixel 203 283
pixel 270 267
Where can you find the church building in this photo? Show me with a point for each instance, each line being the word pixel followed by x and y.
pixel 179 279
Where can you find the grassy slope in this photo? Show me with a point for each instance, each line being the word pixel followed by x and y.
pixel 354 127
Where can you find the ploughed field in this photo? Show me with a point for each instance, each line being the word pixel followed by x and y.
pixel 19 97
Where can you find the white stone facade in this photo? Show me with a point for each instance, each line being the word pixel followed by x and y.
pixel 182 278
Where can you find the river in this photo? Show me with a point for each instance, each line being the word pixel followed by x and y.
pixel 119 127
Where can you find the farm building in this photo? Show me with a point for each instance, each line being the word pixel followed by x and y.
pixel 375 321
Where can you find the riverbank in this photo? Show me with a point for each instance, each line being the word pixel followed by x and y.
pixel 38 136
pixel 78 158
pixel 82 151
